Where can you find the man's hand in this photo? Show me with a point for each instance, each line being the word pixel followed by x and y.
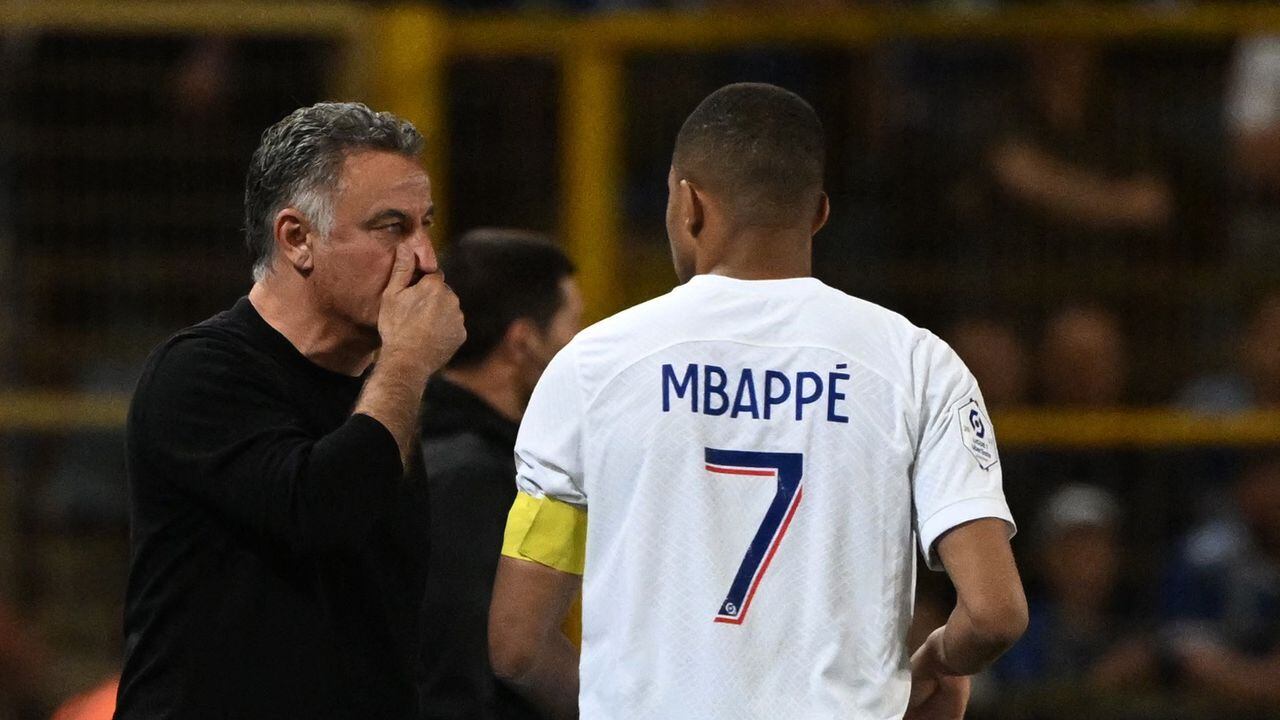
pixel 937 693
pixel 421 327
pixel 420 323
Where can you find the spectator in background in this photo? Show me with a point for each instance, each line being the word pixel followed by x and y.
pixel 1255 384
pixel 1065 186
pixel 996 356
pixel 1075 633
pixel 1253 124
pixel 521 305
pixel 1222 598
pixel 1083 360
pixel 1083 365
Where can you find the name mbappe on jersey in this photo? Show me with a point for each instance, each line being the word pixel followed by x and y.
pixel 755 393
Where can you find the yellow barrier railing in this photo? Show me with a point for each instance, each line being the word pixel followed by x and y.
pixel 36 412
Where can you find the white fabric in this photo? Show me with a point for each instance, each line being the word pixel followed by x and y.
pixel 824 634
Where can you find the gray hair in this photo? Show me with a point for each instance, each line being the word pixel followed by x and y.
pixel 299 161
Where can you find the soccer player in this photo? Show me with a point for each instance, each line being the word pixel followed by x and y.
pixel 759 455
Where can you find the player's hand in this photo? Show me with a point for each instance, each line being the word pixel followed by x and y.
pixel 936 693
pixel 419 323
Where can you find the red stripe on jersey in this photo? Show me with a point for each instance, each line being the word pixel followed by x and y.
pixel 741 471
pixel 773 548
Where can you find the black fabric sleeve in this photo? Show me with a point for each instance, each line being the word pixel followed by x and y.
pixel 220 425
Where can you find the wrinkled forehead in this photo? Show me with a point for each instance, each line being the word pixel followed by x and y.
pixel 373 177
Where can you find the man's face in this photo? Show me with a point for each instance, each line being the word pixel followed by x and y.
pixel 563 326
pixel 383 200
pixel 682 244
pixel 1083 564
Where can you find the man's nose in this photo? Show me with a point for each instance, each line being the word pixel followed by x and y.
pixel 424 253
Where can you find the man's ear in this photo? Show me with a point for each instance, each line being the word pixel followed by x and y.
pixel 520 338
pixel 294 238
pixel 824 212
pixel 694 207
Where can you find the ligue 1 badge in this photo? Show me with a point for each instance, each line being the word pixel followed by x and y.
pixel 976 434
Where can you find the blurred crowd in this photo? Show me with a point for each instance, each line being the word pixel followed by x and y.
pixel 1089 227
pixel 1115 625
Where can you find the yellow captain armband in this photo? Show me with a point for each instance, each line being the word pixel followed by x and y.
pixel 547 531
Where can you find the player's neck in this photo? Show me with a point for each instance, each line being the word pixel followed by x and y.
pixel 494 383
pixel 331 343
pixel 761 254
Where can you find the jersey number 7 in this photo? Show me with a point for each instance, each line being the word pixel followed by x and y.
pixel 788 468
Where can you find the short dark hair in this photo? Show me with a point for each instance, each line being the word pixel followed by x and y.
pixel 502 275
pixel 759 146
pixel 298 162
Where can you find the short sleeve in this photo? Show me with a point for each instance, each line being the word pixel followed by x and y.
pixel 549 445
pixel 956 477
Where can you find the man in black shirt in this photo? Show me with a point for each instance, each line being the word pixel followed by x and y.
pixel 521 306
pixel 279 512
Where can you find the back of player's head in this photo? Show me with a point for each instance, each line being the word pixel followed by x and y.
pixel 500 276
pixel 758 147
pixel 298 162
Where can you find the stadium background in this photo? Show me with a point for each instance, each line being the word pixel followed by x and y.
pixel 1084 199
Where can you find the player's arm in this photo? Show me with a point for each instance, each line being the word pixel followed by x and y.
pixel 991 609
pixel 539 575
pixel 964 526
pixel 527 646
pixel 989 617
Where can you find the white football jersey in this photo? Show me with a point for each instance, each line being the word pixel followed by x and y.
pixel 759 461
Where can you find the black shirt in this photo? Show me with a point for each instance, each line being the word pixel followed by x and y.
pixel 278 547
pixel 468 450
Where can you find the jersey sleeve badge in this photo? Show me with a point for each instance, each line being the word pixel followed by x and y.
pixel 977 435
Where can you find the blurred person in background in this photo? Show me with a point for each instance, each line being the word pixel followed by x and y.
pixel 278 504
pixel 1255 382
pixel 1253 126
pixel 996 356
pixel 1065 185
pixel 1083 365
pixel 1084 360
pixel 521 305
pixel 1221 598
pixel 1078 633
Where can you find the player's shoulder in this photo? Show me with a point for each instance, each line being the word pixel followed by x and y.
pixel 637 326
pixel 873 332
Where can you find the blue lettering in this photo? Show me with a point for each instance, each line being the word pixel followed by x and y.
pixel 717 390
pixel 770 399
pixel 834 394
pixel 688 385
pixel 746 387
pixel 801 398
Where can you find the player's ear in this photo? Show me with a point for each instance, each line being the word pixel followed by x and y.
pixel 824 212
pixel 295 237
pixel 693 203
